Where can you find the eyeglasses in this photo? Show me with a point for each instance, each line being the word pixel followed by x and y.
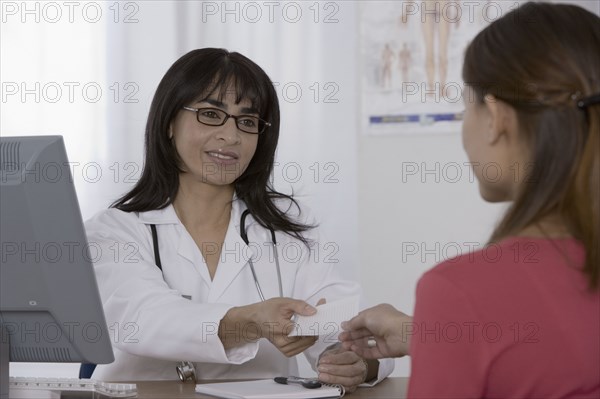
pixel 218 117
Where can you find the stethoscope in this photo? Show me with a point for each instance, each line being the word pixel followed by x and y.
pixel 186 370
pixel 244 236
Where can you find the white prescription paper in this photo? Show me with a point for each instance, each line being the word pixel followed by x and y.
pixel 328 319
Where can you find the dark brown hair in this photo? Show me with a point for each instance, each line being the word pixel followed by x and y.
pixel 196 73
pixel 541 58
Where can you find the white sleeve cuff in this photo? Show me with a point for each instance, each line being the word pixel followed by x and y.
pixel 217 353
pixel 386 366
pixel 242 353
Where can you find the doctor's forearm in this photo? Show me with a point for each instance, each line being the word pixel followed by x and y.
pixel 268 319
pixel 237 327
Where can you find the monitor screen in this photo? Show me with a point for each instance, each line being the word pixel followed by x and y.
pixel 50 308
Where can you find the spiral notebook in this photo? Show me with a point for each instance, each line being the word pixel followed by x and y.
pixel 268 389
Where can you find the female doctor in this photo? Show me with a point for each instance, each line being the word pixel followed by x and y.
pixel 189 269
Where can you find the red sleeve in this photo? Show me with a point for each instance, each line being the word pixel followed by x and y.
pixel 447 354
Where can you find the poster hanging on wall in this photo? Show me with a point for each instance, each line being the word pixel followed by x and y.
pixel 411 58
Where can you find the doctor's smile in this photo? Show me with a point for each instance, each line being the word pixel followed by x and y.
pixel 223 156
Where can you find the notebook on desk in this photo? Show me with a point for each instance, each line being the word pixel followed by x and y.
pixel 267 389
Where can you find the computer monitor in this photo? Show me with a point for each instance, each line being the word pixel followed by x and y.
pixel 50 308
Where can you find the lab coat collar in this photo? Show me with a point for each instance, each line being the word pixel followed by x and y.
pixel 231 263
pixel 159 216
pixel 234 254
pixel 188 249
pixel 237 208
pixel 234 258
pixel 168 215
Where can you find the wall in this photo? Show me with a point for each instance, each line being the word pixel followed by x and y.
pixel 409 222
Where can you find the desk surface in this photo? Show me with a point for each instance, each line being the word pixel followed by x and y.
pixel 390 388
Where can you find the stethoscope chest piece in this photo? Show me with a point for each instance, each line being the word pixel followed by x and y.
pixel 186 371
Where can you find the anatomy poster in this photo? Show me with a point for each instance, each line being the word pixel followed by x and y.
pixel 411 58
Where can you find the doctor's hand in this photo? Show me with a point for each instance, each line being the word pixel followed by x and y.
pixel 274 317
pixel 269 319
pixel 378 332
pixel 344 367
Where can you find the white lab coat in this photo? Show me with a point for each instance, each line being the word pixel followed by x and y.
pixel 152 323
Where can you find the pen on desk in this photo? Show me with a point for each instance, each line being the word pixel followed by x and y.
pixel 305 382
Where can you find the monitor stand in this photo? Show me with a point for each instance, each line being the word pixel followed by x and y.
pixel 4 362
pixel 4 373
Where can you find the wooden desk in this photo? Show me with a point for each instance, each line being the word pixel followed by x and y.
pixel 391 388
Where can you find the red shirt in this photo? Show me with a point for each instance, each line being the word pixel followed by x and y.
pixel 514 320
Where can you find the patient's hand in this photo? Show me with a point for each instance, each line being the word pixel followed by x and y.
pixel 378 332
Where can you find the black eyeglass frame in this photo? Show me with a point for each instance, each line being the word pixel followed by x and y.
pixel 265 124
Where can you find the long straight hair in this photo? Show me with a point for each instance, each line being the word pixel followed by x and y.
pixel 195 75
pixel 541 58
